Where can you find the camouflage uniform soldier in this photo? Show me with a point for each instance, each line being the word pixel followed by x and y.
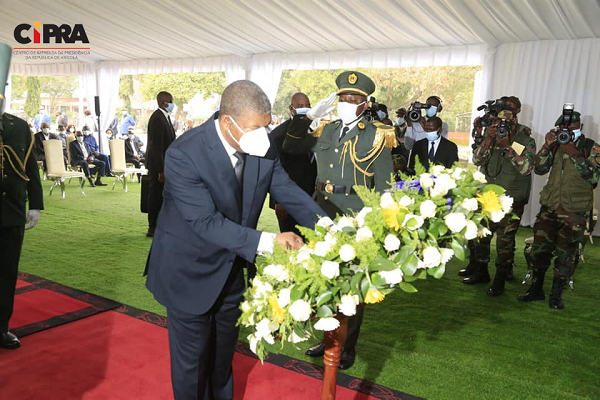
pixel 350 151
pixel 566 202
pixel 506 159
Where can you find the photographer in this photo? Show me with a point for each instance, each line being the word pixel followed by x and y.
pixel 566 200
pixel 382 115
pixel 414 131
pixel 506 157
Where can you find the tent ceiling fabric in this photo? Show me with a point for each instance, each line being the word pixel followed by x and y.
pixel 140 30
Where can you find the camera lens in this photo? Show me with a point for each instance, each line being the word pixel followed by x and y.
pixel 563 136
pixel 414 115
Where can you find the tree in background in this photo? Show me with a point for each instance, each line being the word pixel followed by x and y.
pixel 19 86
pixel 58 86
pixel 33 101
pixel 126 91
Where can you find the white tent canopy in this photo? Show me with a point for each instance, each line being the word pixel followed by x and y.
pixel 546 52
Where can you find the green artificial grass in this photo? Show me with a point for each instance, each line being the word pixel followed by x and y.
pixel 449 341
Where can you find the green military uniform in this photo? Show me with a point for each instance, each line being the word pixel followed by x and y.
pixel 359 156
pixel 19 182
pixel 566 200
pixel 509 167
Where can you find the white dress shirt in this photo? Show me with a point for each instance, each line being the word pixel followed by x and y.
pixel 416 132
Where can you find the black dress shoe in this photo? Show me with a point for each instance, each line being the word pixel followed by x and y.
pixel 99 183
pixel 9 341
pixel 465 272
pixel 316 351
pixel 510 277
pixel 477 278
pixel 91 182
pixel 347 359
pixel 495 291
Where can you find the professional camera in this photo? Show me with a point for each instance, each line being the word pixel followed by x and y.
pixel 564 135
pixel 491 109
pixel 371 112
pixel 503 128
pixel 414 111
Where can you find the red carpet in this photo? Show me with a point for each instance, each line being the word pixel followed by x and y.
pixel 42 304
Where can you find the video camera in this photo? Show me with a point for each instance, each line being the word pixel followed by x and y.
pixel 414 111
pixel 564 135
pixel 491 110
pixel 371 112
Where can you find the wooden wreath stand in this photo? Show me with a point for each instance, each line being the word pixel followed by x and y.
pixel 334 340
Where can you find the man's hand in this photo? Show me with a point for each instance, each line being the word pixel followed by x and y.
pixel 290 240
pixel 90 160
pixel 503 141
pixel 322 108
pixel 550 138
pixel 33 217
pixel 478 129
pixel 280 212
pixel 161 177
pixel 95 153
pixel 570 149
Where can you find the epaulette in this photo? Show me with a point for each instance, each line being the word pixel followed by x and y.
pixel 385 134
pixel 319 131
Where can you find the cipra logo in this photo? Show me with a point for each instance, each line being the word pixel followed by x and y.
pixel 44 33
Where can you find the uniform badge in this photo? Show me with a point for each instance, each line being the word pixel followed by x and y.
pixel 352 78
pixel 361 125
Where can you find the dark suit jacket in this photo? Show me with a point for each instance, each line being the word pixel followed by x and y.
pixel 446 154
pixel 129 150
pixel 204 223
pixel 160 136
pixel 77 153
pixel 298 166
pixel 39 143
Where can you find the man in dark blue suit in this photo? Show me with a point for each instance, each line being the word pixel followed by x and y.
pixel 217 177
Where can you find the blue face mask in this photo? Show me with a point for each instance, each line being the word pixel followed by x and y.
pixel 170 107
pixel 80 139
pixel 431 136
pixel 576 134
pixel 302 110
pixel 381 114
pixel 431 111
pixel 400 121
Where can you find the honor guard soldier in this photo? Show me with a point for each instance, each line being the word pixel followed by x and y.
pixel 19 182
pixel 350 151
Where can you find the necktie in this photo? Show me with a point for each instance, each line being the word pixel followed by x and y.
pixel 432 151
pixel 344 131
pixel 239 167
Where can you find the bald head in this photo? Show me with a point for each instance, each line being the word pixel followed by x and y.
pixel 163 98
pixel 242 96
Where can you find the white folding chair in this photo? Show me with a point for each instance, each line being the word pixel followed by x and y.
pixel 117 163
pixel 56 167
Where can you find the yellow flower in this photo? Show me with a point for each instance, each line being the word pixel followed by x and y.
pixel 278 312
pixel 374 296
pixel 311 244
pixel 390 215
pixel 489 201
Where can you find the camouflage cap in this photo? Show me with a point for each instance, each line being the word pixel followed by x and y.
pixel 354 82
pixel 576 117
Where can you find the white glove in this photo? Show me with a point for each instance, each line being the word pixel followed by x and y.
pixel 33 217
pixel 322 108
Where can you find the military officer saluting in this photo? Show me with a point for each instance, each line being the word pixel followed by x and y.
pixel 19 181
pixel 349 151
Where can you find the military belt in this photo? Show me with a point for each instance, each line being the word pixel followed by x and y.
pixel 331 188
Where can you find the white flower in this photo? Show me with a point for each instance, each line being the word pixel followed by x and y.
pixel 283 298
pixel 322 248
pixel 303 255
pixel 437 169
pixel 293 338
pixel 506 202
pixel 427 209
pixel 263 328
pixel 497 216
pixel 471 232
pixel 253 342
pixel 443 183
pixel 347 253
pixel 470 204
pixel 363 233
pixel 426 180
pixel 300 310
pixel 455 221
pixel 360 217
pixel 331 239
pixel 406 201
pixel 457 174
pixel 348 305
pixel 391 243
pixel 330 269
pixel 245 306
pixel 325 222
pixel 478 176
pixel 277 272
pixel 261 288
pixel 420 264
pixel 413 225
pixel 344 222
pixel 327 324
pixel 431 257
pixel 484 232
pixel 446 255
pixel 386 200
pixel 392 277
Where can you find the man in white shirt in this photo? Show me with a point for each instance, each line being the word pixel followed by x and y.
pixel 414 131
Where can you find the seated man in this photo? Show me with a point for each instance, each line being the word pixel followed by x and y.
pixel 91 140
pixel 434 148
pixel 133 154
pixel 82 156
pixel 39 137
pixel 138 142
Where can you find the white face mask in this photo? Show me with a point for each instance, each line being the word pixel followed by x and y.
pixel 302 110
pixel 431 111
pixel 46 131
pixel 432 136
pixel 347 111
pixel 86 133
pixel 254 143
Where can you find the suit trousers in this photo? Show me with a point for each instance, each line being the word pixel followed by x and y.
pixel 155 199
pixel 11 241
pixel 354 323
pixel 202 346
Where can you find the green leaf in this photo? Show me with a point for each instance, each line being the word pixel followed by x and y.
pixel 382 264
pixel 345 288
pixel 356 281
pixel 324 312
pixel 387 291
pixel 345 271
pixel 404 253
pixel 494 188
pixel 434 228
pixel 410 267
pixel 377 280
pixel 323 298
pixel 407 287
pixel 365 285
pixel 421 275
pixel 348 230
pixel 442 228
pixel 421 233
pixel 412 278
pixel 459 251
pixel 459 192
pixel 439 271
pixel 296 293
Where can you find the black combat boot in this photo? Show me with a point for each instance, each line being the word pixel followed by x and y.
pixel 510 276
pixel 536 290
pixel 479 275
pixel 497 287
pixel 555 299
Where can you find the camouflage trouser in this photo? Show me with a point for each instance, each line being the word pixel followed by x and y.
pixel 505 231
pixel 557 233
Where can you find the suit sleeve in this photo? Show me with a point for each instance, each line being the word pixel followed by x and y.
pixel 297 139
pixel 158 140
pixel 128 150
pixel 454 154
pixel 184 186
pixel 295 200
